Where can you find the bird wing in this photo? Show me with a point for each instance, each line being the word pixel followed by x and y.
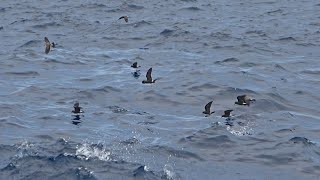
pixel 46 40
pixel 227 112
pixel 76 104
pixel 135 64
pixel 124 17
pixel 47 48
pixel 247 99
pixel 208 106
pixel 148 75
pixel 241 99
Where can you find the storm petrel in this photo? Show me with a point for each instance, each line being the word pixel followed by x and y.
pixel 48 45
pixel 126 18
pixel 207 109
pixel 77 108
pixel 149 78
pixel 227 113
pixel 135 65
pixel 244 100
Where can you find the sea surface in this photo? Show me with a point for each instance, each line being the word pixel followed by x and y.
pixel 201 51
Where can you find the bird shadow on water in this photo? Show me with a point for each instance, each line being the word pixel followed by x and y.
pixel 229 122
pixel 76 119
pixel 136 74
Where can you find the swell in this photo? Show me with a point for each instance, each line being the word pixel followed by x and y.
pixel 219 141
pixel 173 152
pixel 47 25
pixel 26 73
pixel 191 9
pixel 142 23
pixel 311 72
pixel 59 160
pixel 31 43
pixel 54 61
pixel 228 61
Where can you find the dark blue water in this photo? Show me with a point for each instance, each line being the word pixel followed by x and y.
pixel 200 51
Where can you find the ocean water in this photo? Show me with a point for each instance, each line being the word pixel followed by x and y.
pixel 200 50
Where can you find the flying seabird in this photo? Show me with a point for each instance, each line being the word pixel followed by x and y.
pixel 244 100
pixel 135 65
pixel 48 45
pixel 149 78
pixel 207 109
pixel 126 18
pixel 227 113
pixel 77 108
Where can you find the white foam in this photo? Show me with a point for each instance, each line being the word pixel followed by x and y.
pixel 168 170
pixel 240 130
pixel 85 151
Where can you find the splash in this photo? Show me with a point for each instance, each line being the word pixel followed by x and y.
pixel 168 171
pixel 86 151
pixel 240 130
pixel 25 148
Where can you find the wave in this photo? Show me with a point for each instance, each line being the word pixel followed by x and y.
pixel 142 23
pixel 26 73
pixel 2 10
pixel 203 86
pixel 167 32
pixel 68 160
pixel 54 61
pixel 208 139
pixel 117 109
pixel 107 89
pixel 92 5
pixel 173 152
pixel 300 140
pixel 311 72
pixel 47 25
pixel 188 0
pixel 257 32
pixel 275 12
pixel 31 43
pixel 191 9
pixel 142 172
pixel 135 7
pixel 227 61
pixel 287 39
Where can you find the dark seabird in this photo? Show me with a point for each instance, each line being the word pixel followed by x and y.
pixel 149 78
pixel 244 100
pixel 135 65
pixel 207 109
pixel 48 45
pixel 126 18
pixel 227 113
pixel 77 108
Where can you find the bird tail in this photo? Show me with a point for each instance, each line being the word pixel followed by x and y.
pixel 156 79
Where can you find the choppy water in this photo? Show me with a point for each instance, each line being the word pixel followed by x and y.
pixel 201 51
